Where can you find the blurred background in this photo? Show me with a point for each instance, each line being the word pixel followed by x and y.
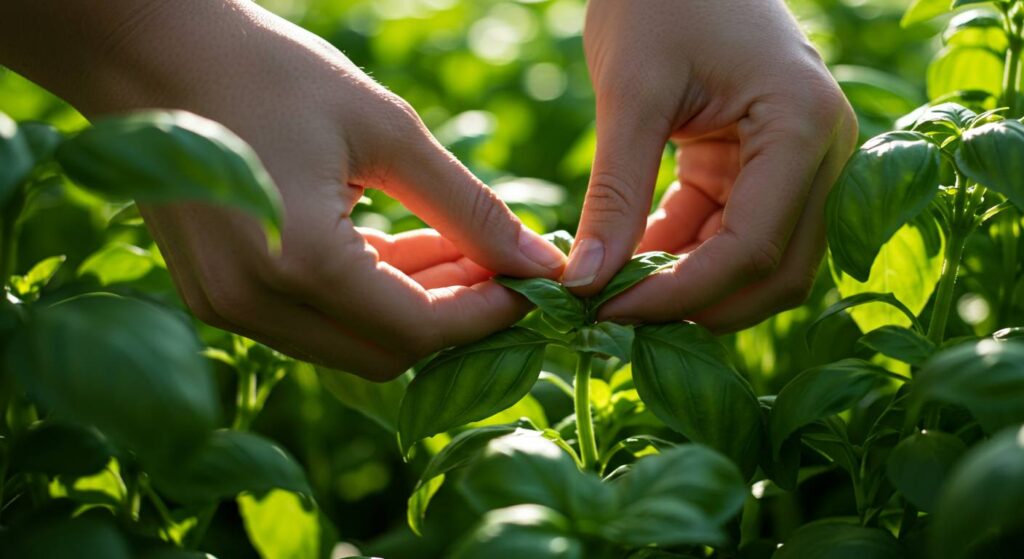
pixel 504 85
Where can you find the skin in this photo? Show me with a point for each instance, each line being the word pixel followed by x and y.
pixel 762 131
pixel 336 295
pixel 761 126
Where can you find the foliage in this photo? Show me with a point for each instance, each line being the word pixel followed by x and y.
pixel 882 419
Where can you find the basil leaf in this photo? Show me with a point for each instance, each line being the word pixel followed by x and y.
pixel 685 377
pixel 229 463
pixel 42 140
pixel 636 270
pixel 56 447
pixel 561 239
pixel 470 383
pixel 959 68
pixel 605 338
pixel 560 307
pixel 944 118
pixel 993 156
pixel 300 537
pixel 684 495
pixel 521 531
pixel 981 497
pixel 923 10
pixel 819 393
pixel 167 156
pixel 856 300
pixel 986 377
pixel 76 357
pixel 886 183
pixel 16 159
pixel 375 400
pixel 920 464
pixel 899 343
pixel 839 539
pixel 529 469
pixel 463 449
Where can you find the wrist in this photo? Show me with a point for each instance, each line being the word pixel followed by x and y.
pixel 128 55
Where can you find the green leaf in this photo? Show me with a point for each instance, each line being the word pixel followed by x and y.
pixel 559 306
pixel 982 497
pixel 976 28
pixel 561 239
pixel 375 400
pixel 230 463
pixel 281 524
pixel 38 277
pixel 684 375
pixel 526 468
pixel 462 450
pixel 923 10
pixel 42 140
pixel 636 270
pixel 130 368
pixel 956 68
pixel 90 536
pixel 986 377
pixel 920 464
pixel 886 183
pixel 167 156
pixel 16 160
pixel 118 263
pixel 837 539
pixel 605 338
pixel 944 118
pixel 993 156
pixel 857 300
pixel 519 532
pixel 470 383
pixel 684 495
pixel 908 267
pixel 899 343
pixel 819 393
pixel 56 447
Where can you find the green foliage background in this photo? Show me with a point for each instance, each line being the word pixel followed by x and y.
pixel 504 85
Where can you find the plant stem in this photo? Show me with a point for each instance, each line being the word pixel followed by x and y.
pixel 246 400
pixel 959 229
pixel 1011 77
pixel 584 421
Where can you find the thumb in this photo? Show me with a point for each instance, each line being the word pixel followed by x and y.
pixel 435 186
pixel 629 149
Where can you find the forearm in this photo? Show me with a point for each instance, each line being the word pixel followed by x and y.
pixel 118 55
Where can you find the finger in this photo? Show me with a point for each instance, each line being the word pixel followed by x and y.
pixel 411 251
pixel 683 211
pixel 462 272
pixel 467 314
pixel 629 150
pixel 791 284
pixel 438 188
pixel 763 210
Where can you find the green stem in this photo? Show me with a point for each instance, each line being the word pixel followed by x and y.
pixel 958 231
pixel 584 421
pixel 9 235
pixel 1011 77
pixel 246 400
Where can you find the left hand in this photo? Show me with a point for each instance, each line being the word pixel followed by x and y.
pixel 763 131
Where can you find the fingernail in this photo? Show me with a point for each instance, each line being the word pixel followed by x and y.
pixel 540 251
pixel 584 262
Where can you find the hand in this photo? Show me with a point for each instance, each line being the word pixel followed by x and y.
pixel 762 130
pixel 336 295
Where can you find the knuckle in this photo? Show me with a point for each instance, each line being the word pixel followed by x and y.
pixel 203 310
pixel 794 292
pixel 232 303
pixel 609 198
pixel 762 258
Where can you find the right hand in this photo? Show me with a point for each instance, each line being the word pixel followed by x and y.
pixel 336 295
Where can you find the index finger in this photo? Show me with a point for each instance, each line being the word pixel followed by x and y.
pixel 759 217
